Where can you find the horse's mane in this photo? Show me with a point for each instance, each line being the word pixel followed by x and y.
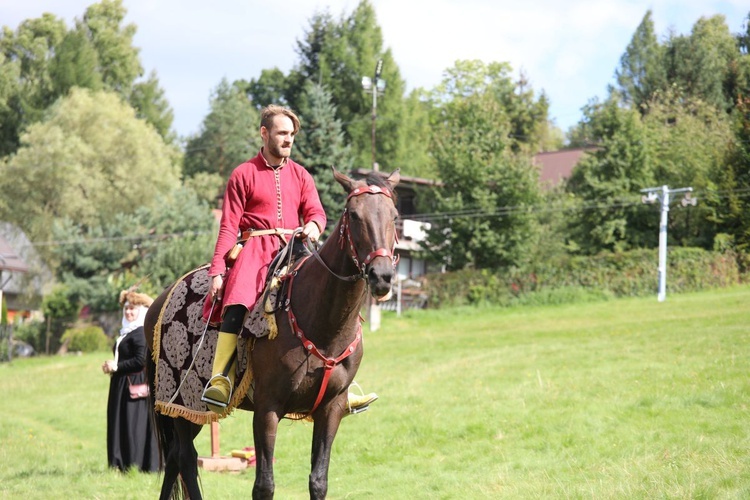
pixel 380 180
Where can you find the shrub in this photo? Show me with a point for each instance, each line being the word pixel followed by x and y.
pixel 86 339
pixel 32 332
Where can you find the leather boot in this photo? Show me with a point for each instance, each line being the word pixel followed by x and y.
pixel 357 403
pixel 218 391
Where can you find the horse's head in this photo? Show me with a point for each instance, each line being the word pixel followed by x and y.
pixel 368 228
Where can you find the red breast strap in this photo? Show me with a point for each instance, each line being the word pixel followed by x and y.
pixel 328 363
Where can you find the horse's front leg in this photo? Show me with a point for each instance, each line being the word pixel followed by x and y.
pixel 326 425
pixel 265 424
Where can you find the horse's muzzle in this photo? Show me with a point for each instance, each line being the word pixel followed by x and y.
pixel 380 274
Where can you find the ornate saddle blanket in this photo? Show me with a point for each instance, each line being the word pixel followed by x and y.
pixel 184 354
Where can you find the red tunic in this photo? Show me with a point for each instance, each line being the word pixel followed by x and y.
pixel 260 197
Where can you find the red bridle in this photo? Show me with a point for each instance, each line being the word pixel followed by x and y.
pixel 346 235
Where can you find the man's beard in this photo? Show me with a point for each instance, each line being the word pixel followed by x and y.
pixel 277 151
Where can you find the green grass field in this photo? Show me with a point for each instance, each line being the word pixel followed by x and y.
pixel 621 399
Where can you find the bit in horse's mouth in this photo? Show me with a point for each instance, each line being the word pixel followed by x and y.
pixel 385 297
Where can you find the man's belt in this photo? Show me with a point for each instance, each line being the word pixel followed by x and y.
pixel 234 252
pixel 246 235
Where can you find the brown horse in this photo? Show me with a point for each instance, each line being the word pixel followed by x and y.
pixel 309 366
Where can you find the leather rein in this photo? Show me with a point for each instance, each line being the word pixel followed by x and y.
pixel 330 363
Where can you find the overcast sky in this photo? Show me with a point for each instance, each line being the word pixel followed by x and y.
pixel 570 49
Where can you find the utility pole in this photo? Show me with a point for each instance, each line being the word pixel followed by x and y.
pixel 375 86
pixel 662 194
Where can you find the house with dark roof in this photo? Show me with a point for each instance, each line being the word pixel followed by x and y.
pixel 23 275
pixel 556 166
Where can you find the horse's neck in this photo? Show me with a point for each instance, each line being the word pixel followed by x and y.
pixel 332 304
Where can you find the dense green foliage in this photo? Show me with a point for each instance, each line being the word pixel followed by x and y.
pixel 60 307
pixel 732 207
pixel 708 64
pixel 42 60
pixel 33 333
pixel 90 160
pixel 668 122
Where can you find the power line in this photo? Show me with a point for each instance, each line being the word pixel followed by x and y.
pixel 467 213
pixel 135 237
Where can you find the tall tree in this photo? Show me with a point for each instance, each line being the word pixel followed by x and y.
pixel 90 160
pixel 642 71
pixel 74 64
pixel 488 186
pixel 27 56
pixel 151 105
pixel 229 133
pixel 700 64
pixel 320 145
pixel 608 181
pixel 119 63
pixel 337 54
pixel 41 61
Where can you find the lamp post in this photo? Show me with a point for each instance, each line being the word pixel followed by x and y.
pixel 374 86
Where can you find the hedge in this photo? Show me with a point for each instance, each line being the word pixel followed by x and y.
pixel 574 279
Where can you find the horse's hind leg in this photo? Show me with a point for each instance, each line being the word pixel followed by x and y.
pixel 186 432
pixel 180 458
pixel 171 456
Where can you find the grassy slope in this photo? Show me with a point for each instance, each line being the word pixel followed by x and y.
pixel 619 399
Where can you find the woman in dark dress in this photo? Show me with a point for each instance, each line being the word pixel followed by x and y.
pixel 131 440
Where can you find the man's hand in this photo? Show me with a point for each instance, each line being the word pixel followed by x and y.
pixel 311 231
pixel 217 282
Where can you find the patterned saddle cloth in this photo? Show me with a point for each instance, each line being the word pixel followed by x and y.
pixel 184 354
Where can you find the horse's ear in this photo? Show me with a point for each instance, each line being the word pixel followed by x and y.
pixel 394 178
pixel 343 179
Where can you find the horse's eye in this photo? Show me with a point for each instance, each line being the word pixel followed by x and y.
pixel 354 215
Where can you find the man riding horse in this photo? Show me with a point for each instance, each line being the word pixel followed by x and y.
pixel 266 198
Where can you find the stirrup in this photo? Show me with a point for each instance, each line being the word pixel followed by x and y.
pixel 215 402
pixel 353 410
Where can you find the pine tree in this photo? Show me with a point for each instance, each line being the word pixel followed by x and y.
pixel 642 71
pixel 229 134
pixel 320 145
